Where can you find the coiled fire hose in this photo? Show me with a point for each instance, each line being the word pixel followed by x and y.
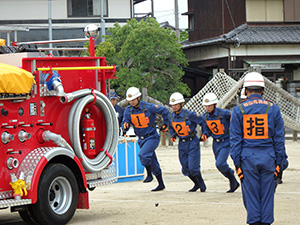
pixel 84 97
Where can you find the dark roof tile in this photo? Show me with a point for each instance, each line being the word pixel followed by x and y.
pixel 244 34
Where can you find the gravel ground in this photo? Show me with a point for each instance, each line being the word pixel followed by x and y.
pixel 132 203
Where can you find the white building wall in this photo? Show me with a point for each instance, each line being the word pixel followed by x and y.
pixel 38 9
pixel 32 9
pixel 212 52
pixel 119 9
pixel 265 50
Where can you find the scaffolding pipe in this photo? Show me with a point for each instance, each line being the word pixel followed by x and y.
pixel 230 94
pixel 77 68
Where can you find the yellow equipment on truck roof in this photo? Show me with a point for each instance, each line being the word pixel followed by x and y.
pixel 2 42
pixel 14 80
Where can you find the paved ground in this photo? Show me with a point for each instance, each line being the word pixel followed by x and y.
pixel 132 203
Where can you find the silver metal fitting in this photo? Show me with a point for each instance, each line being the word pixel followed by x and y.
pixel 12 163
pixel 6 137
pixel 23 135
pixel 58 87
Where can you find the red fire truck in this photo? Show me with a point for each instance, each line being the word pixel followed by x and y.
pixel 58 133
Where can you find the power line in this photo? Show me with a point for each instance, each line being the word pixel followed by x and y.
pixel 230 14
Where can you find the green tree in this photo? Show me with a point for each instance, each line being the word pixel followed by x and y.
pixel 146 55
pixel 106 49
pixel 184 35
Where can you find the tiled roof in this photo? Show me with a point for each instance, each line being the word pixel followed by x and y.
pixel 245 34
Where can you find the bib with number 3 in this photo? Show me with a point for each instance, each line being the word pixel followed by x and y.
pixel 215 126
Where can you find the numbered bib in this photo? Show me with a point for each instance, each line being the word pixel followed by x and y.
pixel 215 126
pixel 139 120
pixel 180 128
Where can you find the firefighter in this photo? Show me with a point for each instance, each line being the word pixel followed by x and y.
pixel 217 126
pixel 142 116
pixel 119 110
pixel 183 124
pixel 257 149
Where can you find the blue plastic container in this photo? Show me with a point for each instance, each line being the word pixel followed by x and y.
pixel 127 162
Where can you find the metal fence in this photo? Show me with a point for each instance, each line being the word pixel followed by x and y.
pixel 228 93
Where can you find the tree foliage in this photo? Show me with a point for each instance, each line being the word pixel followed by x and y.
pixel 146 55
pixel 184 35
pixel 106 49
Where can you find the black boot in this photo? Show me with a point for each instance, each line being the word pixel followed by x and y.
pixel 201 183
pixel 280 181
pixel 149 177
pixel 233 182
pixel 161 185
pixel 196 182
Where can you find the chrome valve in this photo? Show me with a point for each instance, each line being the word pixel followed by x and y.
pixel 12 163
pixel 6 137
pixel 23 135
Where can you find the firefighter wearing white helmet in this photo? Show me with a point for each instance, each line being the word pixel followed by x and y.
pixel 257 149
pixel 217 126
pixel 142 115
pixel 132 93
pixel 254 80
pixel 183 125
pixel 176 98
pixel 209 99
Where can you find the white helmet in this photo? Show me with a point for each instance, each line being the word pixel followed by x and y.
pixel 91 30
pixel 254 79
pixel 243 93
pixel 176 98
pixel 132 93
pixel 210 99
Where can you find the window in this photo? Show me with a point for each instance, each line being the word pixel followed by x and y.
pixel 86 8
pixel 191 22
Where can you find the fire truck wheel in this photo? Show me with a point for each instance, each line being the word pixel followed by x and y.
pixel 57 195
pixel 27 216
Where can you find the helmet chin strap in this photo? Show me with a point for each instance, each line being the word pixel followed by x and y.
pixel 212 112
pixel 138 104
pixel 179 110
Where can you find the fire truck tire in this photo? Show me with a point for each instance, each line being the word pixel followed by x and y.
pixel 57 196
pixel 27 215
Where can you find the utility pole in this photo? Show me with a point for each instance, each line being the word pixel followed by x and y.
pixel 177 20
pixel 152 8
pixel 102 23
pixel 50 23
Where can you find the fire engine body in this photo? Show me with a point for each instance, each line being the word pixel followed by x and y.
pixel 57 141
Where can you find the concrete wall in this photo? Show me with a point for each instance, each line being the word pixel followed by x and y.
pixel 38 9
pixel 33 14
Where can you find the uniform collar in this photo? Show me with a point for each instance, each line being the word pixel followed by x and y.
pixel 181 114
pixel 255 96
pixel 216 112
pixel 140 106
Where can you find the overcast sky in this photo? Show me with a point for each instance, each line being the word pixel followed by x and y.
pixel 164 11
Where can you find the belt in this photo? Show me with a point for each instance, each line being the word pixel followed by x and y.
pixel 193 134
pixel 147 135
pixel 220 140
pixel 186 139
